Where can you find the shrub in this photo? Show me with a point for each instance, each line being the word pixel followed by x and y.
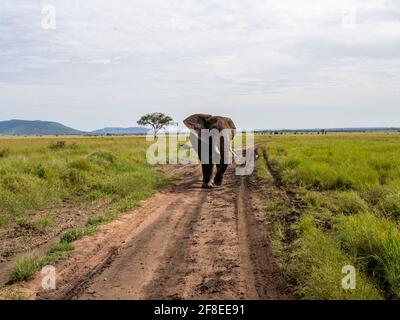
pixel 4 152
pixel 41 172
pixel 58 145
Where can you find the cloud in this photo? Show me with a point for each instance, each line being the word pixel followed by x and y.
pixel 247 58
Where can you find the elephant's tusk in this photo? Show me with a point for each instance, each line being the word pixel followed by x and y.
pixel 236 157
pixel 217 150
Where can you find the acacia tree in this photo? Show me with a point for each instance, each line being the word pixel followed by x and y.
pixel 156 121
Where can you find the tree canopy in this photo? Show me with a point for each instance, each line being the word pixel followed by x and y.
pixel 156 121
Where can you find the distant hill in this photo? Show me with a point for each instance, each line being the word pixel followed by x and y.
pixel 121 131
pixel 36 127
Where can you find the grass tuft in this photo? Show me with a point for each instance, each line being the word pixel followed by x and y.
pixel 26 266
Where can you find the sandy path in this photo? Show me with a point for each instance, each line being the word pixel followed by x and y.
pixel 183 243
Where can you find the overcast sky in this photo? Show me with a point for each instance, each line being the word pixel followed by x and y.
pixel 267 64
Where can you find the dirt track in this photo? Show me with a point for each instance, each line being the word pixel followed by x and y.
pixel 183 243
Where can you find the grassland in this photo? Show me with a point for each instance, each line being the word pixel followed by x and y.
pixel 331 200
pixel 347 190
pixel 43 182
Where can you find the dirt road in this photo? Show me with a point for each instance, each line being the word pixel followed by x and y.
pixel 183 243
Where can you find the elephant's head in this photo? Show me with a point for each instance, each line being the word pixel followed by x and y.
pixel 198 122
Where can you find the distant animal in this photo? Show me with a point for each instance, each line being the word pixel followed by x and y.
pixel 218 151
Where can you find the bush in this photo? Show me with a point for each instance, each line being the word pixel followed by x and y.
pixel 4 152
pixel 58 145
pixel 41 172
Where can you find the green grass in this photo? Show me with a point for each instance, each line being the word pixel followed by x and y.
pixel 262 172
pixel 43 223
pixel 317 264
pixel 337 162
pixel 350 185
pixel 26 266
pixel 77 233
pixel 29 263
pixel 375 241
pixel 41 173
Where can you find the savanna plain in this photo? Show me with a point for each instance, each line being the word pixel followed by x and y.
pixel 328 201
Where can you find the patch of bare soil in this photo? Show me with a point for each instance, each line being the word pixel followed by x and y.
pixel 21 238
pixel 184 243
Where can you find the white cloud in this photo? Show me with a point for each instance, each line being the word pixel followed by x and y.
pixel 247 58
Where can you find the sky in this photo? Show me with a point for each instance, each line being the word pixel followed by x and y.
pixel 264 63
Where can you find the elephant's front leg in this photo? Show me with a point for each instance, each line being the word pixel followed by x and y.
pixel 206 166
pixel 208 181
pixel 221 168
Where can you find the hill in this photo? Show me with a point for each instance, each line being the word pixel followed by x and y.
pixel 35 127
pixel 121 131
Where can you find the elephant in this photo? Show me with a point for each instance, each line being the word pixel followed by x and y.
pixel 211 136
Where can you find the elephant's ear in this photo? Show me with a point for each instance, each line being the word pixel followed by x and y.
pixel 197 121
pixel 232 126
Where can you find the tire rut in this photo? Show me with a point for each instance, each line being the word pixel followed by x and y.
pixel 196 244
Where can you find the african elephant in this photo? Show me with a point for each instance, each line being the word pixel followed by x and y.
pixel 210 136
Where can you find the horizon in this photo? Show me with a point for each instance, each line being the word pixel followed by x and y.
pixel 185 129
pixel 293 64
